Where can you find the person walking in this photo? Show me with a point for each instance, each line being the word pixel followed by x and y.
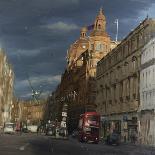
pixel 133 137
pixel 21 128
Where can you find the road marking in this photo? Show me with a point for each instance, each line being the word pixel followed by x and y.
pixel 22 148
pixel 52 150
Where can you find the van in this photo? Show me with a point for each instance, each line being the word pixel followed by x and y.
pixel 9 128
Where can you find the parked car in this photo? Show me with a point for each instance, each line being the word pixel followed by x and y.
pixel 50 131
pixel 32 128
pixel 9 128
pixel 113 139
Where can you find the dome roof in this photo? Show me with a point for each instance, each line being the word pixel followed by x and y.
pixel 84 29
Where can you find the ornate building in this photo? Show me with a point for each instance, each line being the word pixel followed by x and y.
pixel 118 76
pixel 32 112
pixel 78 83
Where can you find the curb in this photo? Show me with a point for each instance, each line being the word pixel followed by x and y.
pixel 59 138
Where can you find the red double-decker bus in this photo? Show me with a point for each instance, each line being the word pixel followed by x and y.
pixel 88 128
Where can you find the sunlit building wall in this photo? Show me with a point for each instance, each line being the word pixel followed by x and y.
pixel 147 94
pixel 6 88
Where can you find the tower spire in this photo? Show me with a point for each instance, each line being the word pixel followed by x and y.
pixel 101 11
pixel 100 21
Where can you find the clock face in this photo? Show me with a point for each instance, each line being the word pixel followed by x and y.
pixel 83 46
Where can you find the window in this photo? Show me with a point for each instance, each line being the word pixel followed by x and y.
pixel 99 47
pixel 92 47
pixel 134 63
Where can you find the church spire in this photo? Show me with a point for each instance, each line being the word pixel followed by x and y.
pixel 101 11
pixel 100 21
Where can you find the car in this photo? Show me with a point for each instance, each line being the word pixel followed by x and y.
pixel 9 128
pixel 32 128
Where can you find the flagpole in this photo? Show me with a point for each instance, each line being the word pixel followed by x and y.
pixel 116 29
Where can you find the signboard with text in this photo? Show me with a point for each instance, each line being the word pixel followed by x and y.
pixel 64 114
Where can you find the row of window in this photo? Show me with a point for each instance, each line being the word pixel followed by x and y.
pixel 148 52
pixel 148 98
pixel 127 47
pixel 98 47
pixel 120 71
pixel 147 77
pixel 121 90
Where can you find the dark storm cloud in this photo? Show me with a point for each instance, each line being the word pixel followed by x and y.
pixel 37 33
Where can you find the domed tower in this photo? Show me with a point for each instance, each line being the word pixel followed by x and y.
pixel 83 32
pixel 77 48
pixel 99 39
pixel 100 22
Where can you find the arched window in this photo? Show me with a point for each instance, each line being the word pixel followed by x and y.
pixel 125 68
pixel 134 63
pixel 118 72
pixel 99 26
pixel 111 76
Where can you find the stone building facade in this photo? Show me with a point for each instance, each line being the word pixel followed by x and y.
pixel 51 108
pixel 16 111
pixel 6 88
pixel 147 94
pixel 78 83
pixel 32 113
pixel 118 77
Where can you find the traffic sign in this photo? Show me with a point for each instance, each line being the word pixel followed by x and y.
pixel 64 114
pixel 63 124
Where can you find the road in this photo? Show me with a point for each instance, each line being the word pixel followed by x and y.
pixel 31 144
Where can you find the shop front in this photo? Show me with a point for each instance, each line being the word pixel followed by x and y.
pixel 125 125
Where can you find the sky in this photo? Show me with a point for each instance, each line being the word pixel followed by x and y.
pixel 37 33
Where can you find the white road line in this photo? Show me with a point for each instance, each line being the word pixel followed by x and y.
pixel 52 150
pixel 22 148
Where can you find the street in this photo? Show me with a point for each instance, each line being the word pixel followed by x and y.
pixel 31 144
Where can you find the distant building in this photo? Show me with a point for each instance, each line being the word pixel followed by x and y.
pixel 6 88
pixel 15 112
pixel 32 112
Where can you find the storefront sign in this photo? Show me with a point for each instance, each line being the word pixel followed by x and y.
pixel 64 114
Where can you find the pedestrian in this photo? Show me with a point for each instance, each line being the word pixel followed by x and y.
pixel 21 128
pixel 133 136
pixel 108 136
